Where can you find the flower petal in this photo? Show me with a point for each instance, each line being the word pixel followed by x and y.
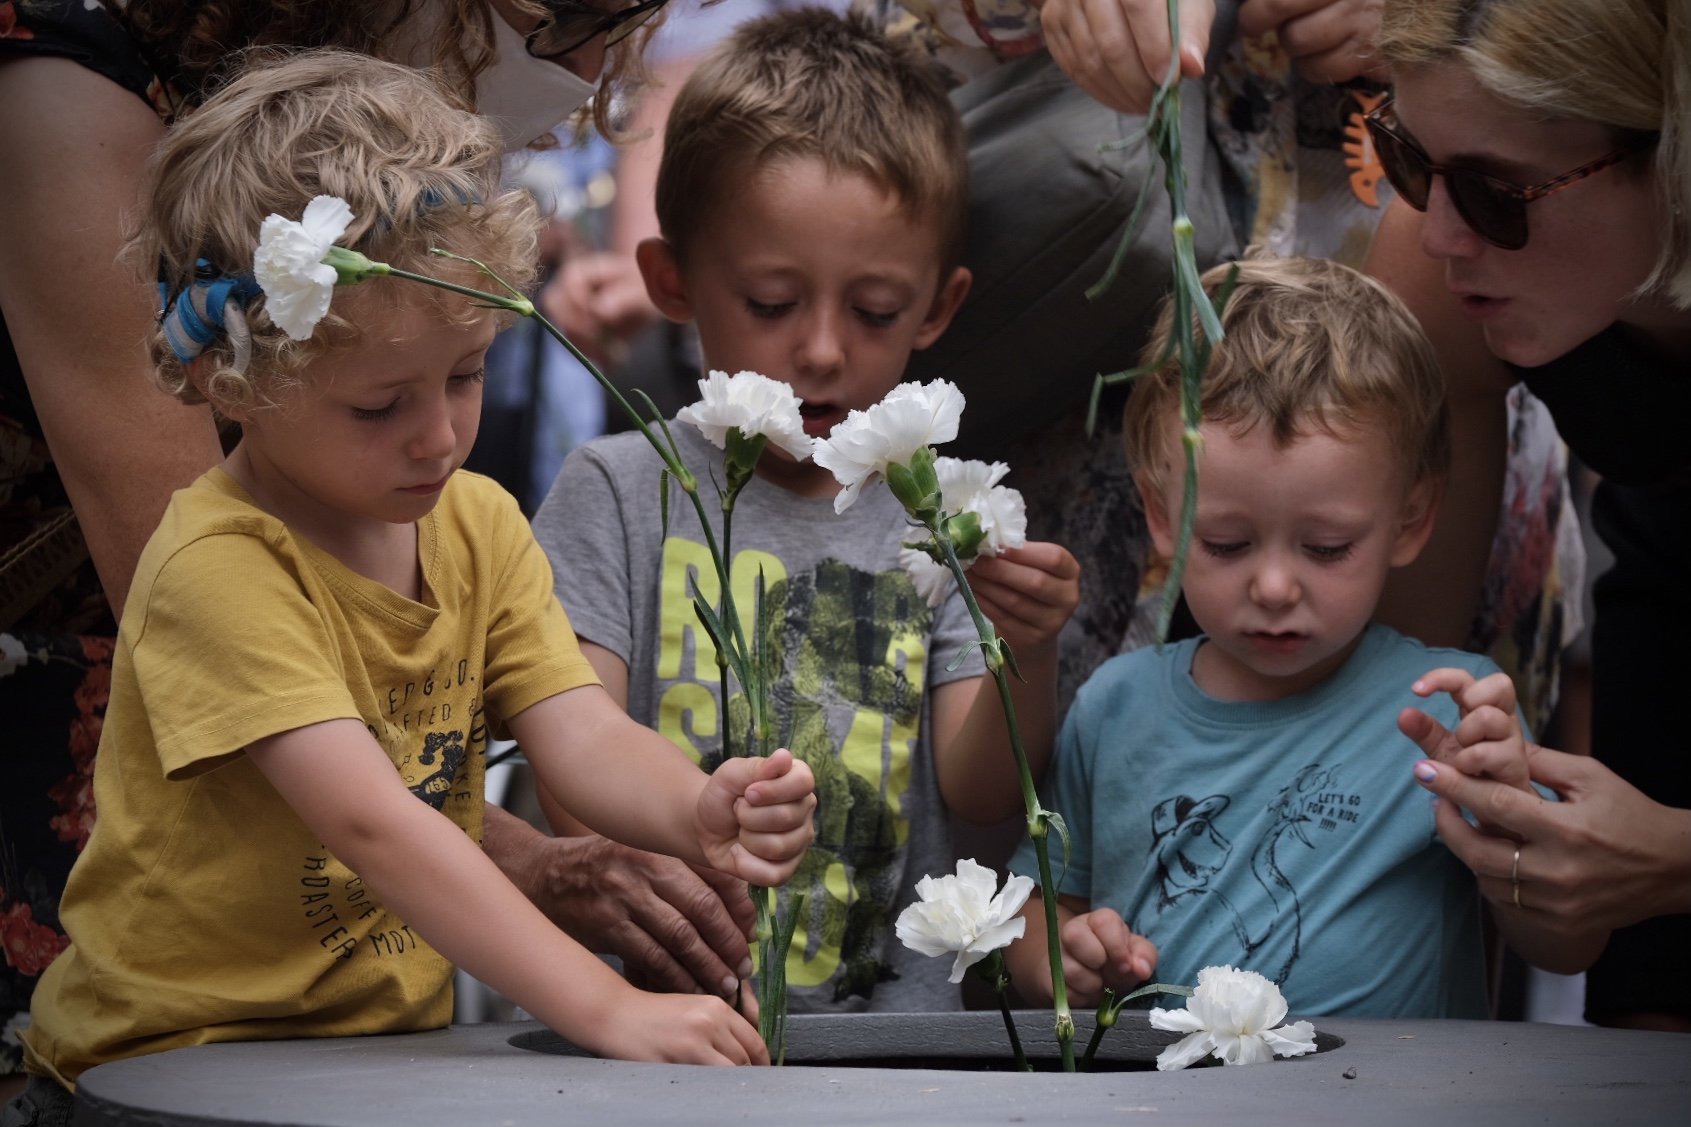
pixel 1175 1021
pixel 1291 1040
pixel 1193 1047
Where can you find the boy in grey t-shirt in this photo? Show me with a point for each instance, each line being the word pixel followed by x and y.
pixel 811 198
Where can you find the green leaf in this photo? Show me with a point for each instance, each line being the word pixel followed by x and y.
pixel 963 655
pixel 663 501
pixel 720 638
pixel 1055 821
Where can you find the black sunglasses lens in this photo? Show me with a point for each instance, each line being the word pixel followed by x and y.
pixel 1496 217
pixel 1405 168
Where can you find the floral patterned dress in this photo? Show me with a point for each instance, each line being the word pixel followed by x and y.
pixel 56 632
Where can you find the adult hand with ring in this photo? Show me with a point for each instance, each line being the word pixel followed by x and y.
pixel 1602 857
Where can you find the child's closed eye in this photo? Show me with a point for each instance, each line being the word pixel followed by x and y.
pixel 470 379
pixel 768 310
pixel 1223 550
pixel 1330 553
pixel 375 414
pixel 876 319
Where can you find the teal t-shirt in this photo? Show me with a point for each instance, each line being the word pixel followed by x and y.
pixel 1287 837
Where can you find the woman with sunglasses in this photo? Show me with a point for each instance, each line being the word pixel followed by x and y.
pixel 90 453
pixel 1540 154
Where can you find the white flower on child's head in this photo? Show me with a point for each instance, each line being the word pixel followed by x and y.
pixel 972 487
pixel 1232 1014
pixel 753 404
pixel 911 417
pixel 960 914
pixel 289 264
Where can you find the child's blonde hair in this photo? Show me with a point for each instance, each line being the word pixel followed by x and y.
pixel 811 83
pixel 417 172
pixel 1308 343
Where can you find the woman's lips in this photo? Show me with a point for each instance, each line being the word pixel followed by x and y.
pixel 1479 307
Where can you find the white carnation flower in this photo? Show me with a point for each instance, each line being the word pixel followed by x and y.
pixel 862 446
pixel 972 487
pixel 1232 1014
pixel 933 580
pixel 959 914
pixel 754 405
pixel 289 264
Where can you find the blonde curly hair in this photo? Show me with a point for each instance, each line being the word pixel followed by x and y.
pixel 417 171
pixel 1309 345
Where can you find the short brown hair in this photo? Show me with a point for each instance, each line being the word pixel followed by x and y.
pixel 1307 342
pixel 813 83
pixel 417 171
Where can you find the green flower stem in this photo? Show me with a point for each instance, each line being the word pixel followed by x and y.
pixel 992 645
pixel 997 972
pixel 1189 343
pixel 1110 1009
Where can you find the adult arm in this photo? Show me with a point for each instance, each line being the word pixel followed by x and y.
pixel 1435 598
pixel 428 873
pixel 75 146
pixel 1604 857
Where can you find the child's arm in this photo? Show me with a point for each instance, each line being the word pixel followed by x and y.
pixel 1488 743
pixel 750 818
pixel 1028 593
pixel 675 926
pixel 433 876
pixel 1099 951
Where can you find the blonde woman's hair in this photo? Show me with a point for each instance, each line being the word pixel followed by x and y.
pixel 417 171
pixel 1309 345
pixel 1625 64
pixel 810 83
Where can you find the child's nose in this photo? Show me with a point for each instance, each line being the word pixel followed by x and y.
pixel 822 345
pixel 1275 585
pixel 437 434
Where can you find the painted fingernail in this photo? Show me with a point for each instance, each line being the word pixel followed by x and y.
pixel 744 970
pixel 729 985
pixel 1425 771
pixel 1436 801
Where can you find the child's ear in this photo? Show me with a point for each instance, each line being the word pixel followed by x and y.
pixel 1157 520
pixel 1419 511
pixel 662 274
pixel 944 307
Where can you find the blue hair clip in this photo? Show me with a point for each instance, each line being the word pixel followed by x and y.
pixel 195 316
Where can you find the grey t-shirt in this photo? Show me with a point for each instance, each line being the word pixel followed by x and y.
pixel 861 651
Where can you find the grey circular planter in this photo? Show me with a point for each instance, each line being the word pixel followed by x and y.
pixel 1374 1072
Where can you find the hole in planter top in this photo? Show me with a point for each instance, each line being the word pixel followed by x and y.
pixel 967 1041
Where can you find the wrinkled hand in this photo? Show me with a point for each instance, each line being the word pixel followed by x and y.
pixel 1118 50
pixel 753 817
pixel 1028 593
pixel 1604 857
pixel 1101 952
pixel 676 1029
pixel 1487 742
pixel 599 300
pixel 676 927
pixel 1328 40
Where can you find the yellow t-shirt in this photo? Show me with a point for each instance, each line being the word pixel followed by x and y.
pixel 203 909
